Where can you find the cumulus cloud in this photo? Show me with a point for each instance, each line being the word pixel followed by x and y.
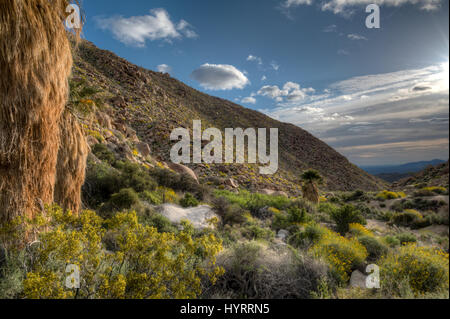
pixel 138 29
pixel 220 77
pixel 256 59
pixel 164 68
pixel 348 6
pixel 291 91
pixel 248 100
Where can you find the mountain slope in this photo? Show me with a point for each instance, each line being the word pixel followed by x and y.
pixel 153 104
pixel 431 176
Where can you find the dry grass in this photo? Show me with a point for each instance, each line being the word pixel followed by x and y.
pixel 71 166
pixel 36 60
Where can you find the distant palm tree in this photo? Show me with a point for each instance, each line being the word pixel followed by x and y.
pixel 310 190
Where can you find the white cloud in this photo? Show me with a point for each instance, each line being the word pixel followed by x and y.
pixel 394 108
pixel 138 29
pixel 347 6
pixel 248 100
pixel 291 91
pixel 256 59
pixel 293 3
pixel 275 65
pixel 220 77
pixel 330 28
pixel 343 52
pixel 164 68
pixel 263 78
pixel 353 36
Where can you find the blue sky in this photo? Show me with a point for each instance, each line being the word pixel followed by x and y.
pixel 379 96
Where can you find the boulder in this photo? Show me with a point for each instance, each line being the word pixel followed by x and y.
pixel 198 216
pixel 283 234
pixel 358 279
pixel 144 149
pixel 181 169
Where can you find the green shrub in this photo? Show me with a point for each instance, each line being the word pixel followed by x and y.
pixel 188 201
pixel 374 247
pixel 406 238
pixel 424 269
pixel 136 176
pixel 392 241
pixel 102 152
pixel 124 199
pixel 153 198
pixel 343 254
pixel 407 218
pixel 254 232
pixel 297 215
pixel 161 223
pixel 384 195
pixel 346 215
pixel 253 202
pixel 310 235
pixel 100 183
pixel 228 213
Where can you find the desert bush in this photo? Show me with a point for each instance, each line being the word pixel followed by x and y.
pixel 229 214
pixel 374 247
pixel 179 182
pixel 188 201
pixel 405 238
pixel 102 152
pixel 385 195
pixel 423 204
pixel 144 264
pixel 101 182
pixel 253 202
pixel 341 253
pixel 307 237
pixel 359 230
pixel 136 176
pixel 153 198
pixel 437 190
pixel 158 221
pixel 255 232
pixel 425 269
pixel 391 241
pixel 407 218
pixel 124 199
pixel 346 215
pixel 253 271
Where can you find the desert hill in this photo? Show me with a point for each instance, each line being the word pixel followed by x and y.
pixel 152 104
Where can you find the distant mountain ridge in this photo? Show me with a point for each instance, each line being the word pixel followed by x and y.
pixel 412 167
pixel 153 104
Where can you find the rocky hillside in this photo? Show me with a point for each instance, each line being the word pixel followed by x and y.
pixel 432 176
pixel 139 108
